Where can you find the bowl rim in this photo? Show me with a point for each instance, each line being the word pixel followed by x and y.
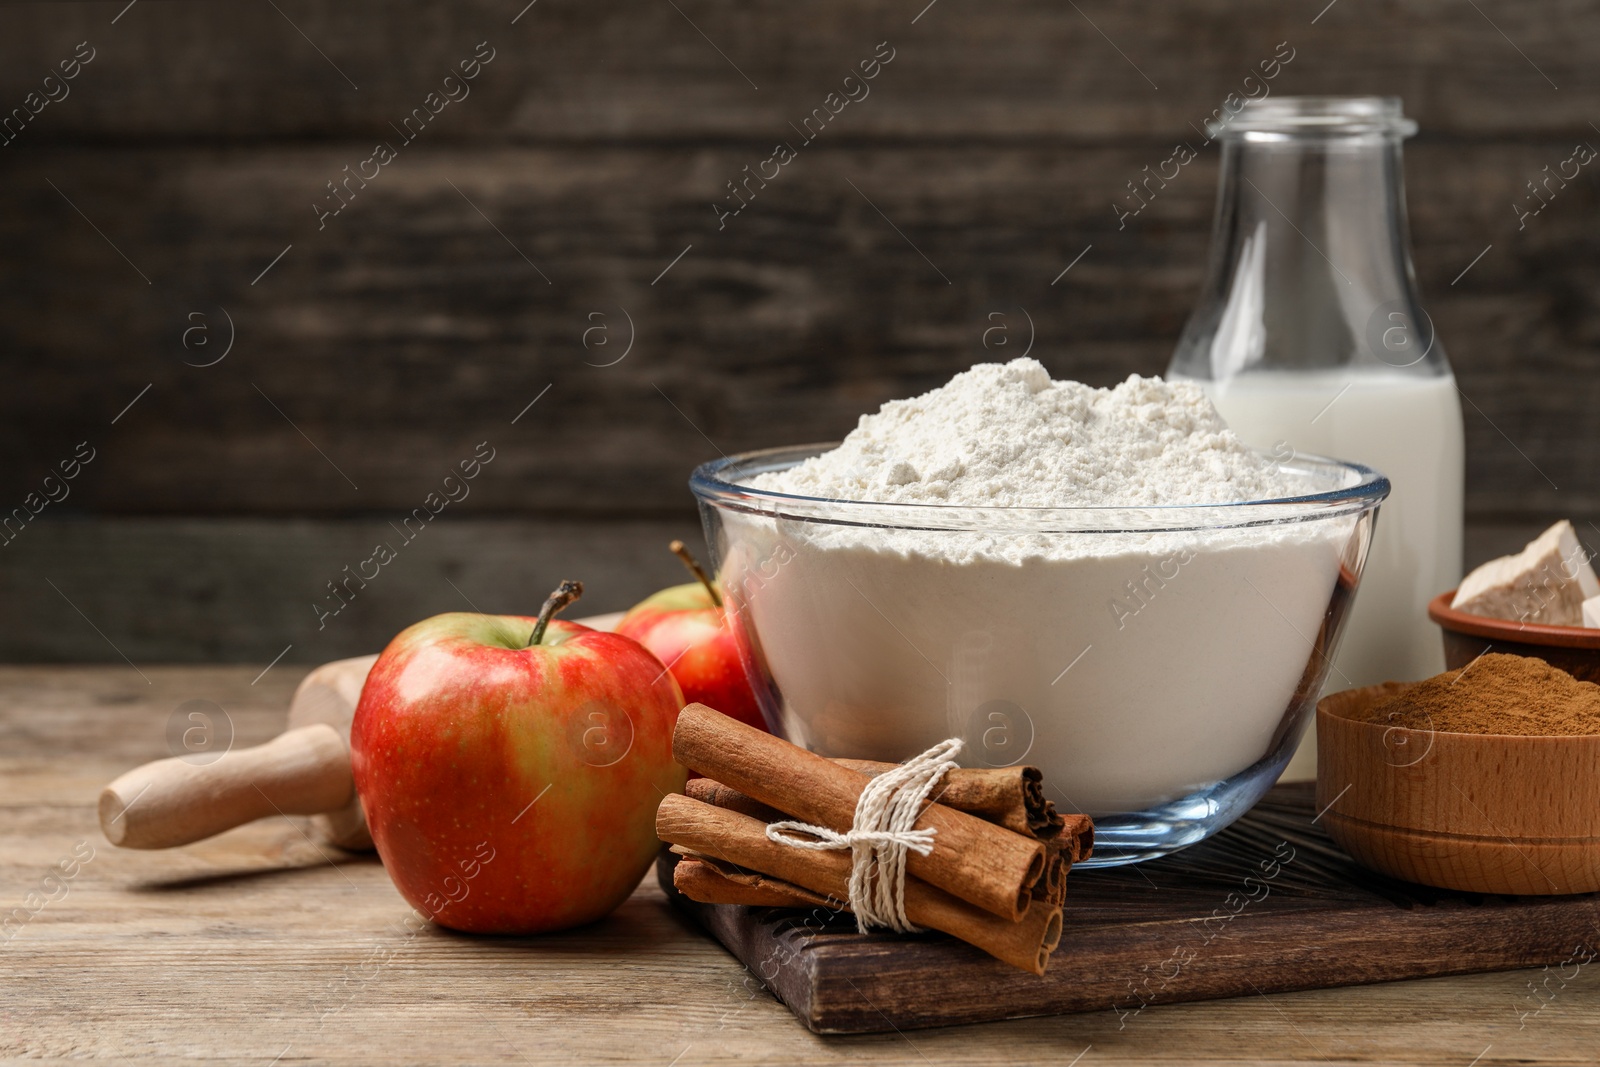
pixel 1324 709
pixel 710 485
pixel 1525 633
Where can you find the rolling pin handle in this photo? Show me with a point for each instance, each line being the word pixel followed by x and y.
pixel 175 801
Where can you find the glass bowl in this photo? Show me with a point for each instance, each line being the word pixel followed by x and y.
pixel 1158 664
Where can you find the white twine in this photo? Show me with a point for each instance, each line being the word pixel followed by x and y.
pixel 881 836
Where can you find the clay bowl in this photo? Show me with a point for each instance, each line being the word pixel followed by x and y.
pixel 1574 649
pixel 1483 813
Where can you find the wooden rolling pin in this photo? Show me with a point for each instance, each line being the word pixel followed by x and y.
pixel 303 771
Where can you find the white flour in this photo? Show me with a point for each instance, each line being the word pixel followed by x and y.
pixel 1134 668
pixel 1005 435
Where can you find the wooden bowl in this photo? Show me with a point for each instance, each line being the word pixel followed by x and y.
pixel 1574 649
pixel 1482 813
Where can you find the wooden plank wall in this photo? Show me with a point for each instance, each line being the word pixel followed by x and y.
pixel 172 200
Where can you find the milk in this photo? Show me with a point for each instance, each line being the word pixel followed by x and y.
pixel 1409 428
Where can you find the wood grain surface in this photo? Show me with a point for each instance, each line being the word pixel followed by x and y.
pixel 164 209
pixel 255 945
pixel 164 590
pixel 377 353
pixel 1269 905
pixel 575 71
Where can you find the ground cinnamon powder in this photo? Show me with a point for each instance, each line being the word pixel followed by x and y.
pixel 1496 694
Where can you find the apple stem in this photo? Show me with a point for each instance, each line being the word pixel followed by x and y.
pixel 564 594
pixel 681 550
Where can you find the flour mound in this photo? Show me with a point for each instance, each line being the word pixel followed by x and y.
pixel 1006 435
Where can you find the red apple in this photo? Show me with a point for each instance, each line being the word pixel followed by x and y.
pixel 510 767
pixel 688 630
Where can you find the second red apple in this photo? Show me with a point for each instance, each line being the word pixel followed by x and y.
pixel 687 629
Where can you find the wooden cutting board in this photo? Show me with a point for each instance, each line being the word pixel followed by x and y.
pixel 1269 905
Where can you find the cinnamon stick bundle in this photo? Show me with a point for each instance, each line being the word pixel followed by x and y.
pixel 973 860
pixel 742 841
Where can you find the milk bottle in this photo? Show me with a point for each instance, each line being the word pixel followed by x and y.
pixel 1309 337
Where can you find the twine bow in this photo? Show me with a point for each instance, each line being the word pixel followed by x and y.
pixel 881 835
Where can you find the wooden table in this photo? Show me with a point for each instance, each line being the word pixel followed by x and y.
pixel 259 947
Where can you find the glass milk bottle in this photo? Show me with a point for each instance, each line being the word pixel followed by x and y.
pixel 1309 336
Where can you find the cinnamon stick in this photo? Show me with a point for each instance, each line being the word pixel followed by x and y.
pixel 712 882
pixel 1052 887
pixel 1061 851
pixel 1012 797
pixel 980 863
pixel 1075 838
pixel 741 840
pixel 710 791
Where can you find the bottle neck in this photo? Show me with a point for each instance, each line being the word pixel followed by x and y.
pixel 1310 267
